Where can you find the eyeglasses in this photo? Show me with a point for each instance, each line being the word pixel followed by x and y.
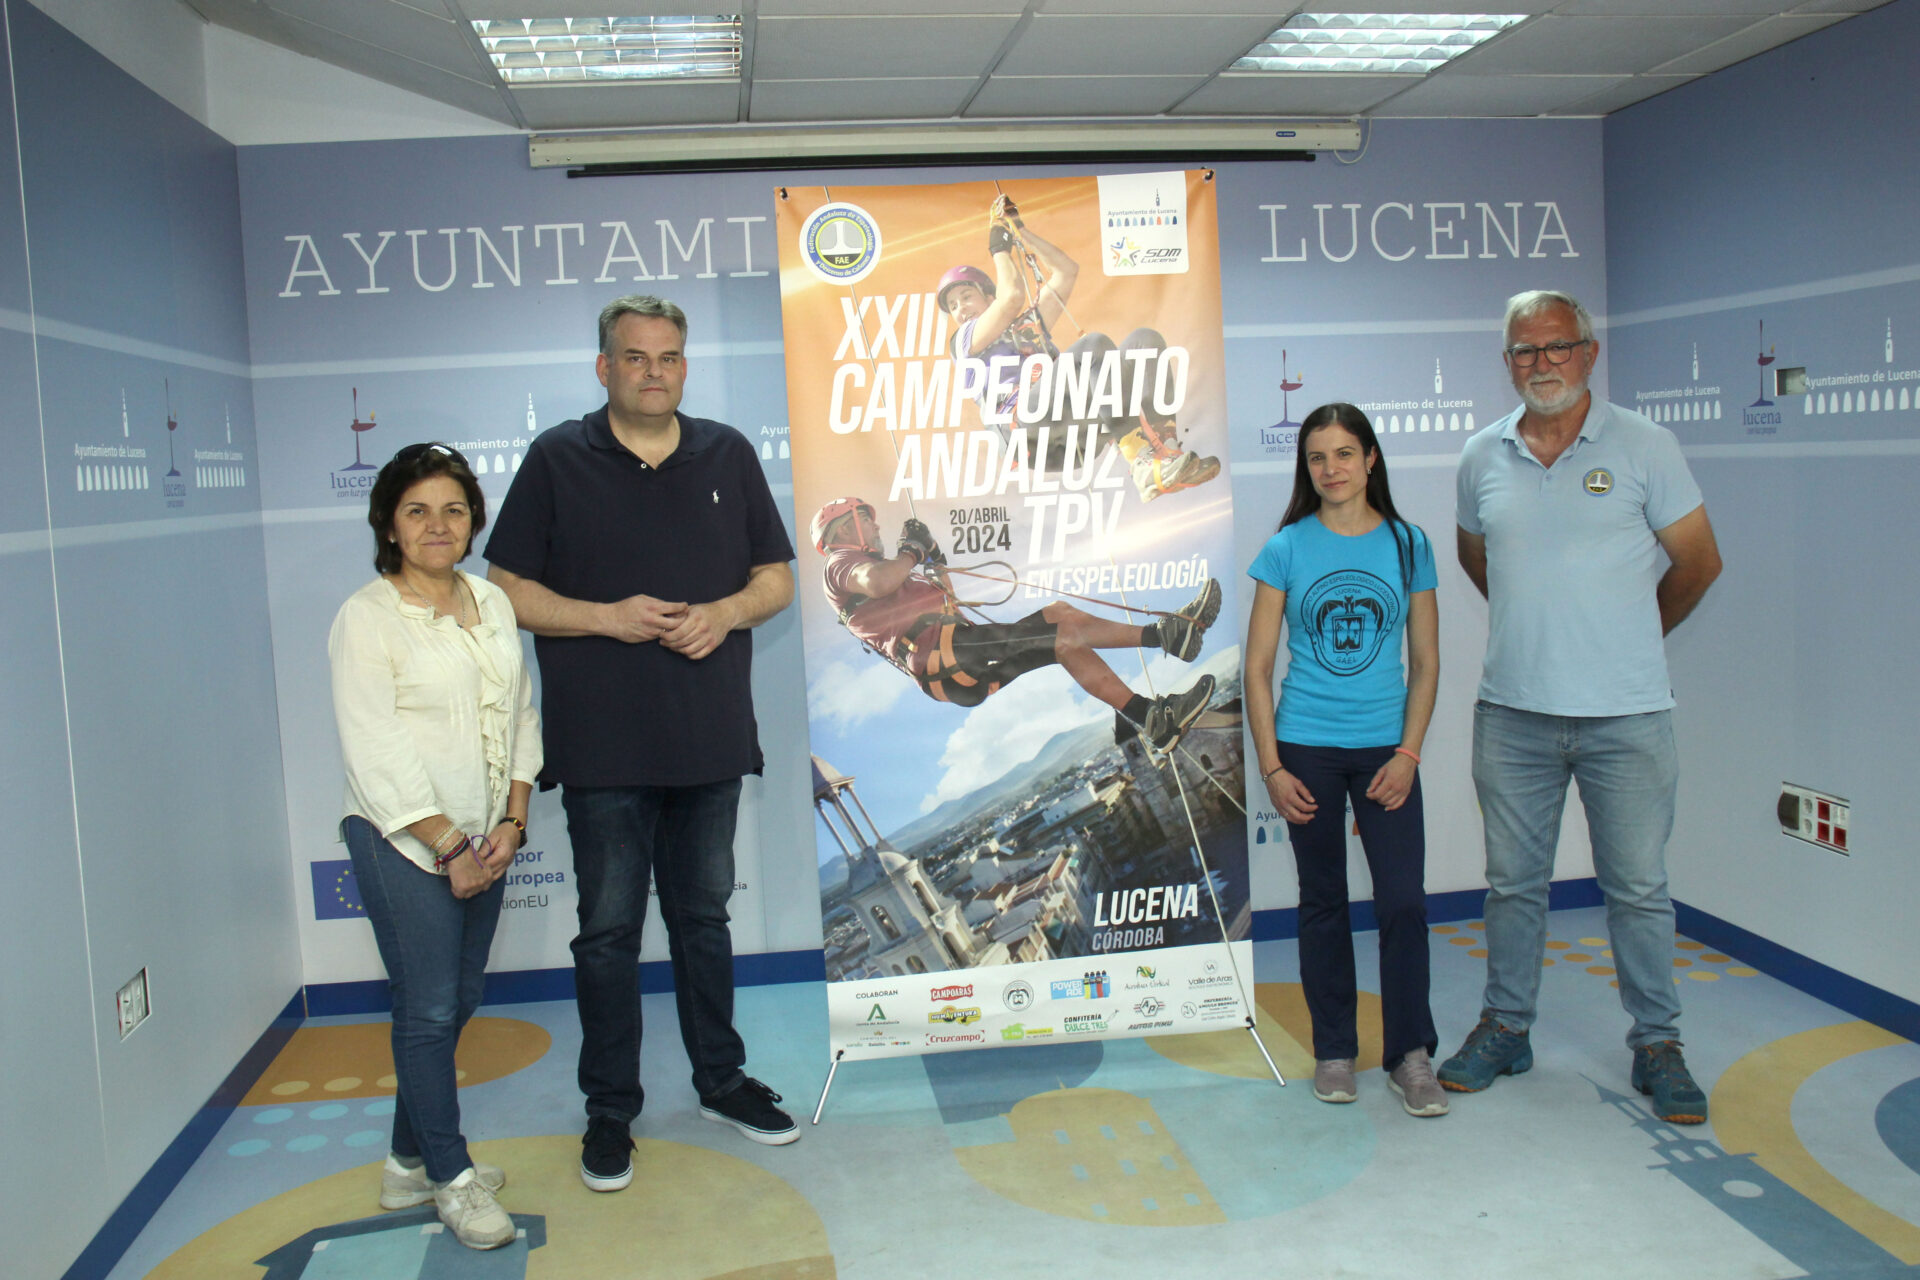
pixel 1525 357
pixel 412 451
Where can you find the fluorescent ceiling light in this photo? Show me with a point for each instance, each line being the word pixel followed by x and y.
pixel 1377 43
pixel 602 50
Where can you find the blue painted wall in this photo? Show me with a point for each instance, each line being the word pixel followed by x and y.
pixel 1779 193
pixel 142 750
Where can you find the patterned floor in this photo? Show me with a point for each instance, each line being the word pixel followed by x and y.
pixel 1176 1156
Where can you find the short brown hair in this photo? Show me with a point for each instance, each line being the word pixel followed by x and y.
pixel 407 468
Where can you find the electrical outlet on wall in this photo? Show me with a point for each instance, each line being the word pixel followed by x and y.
pixel 1815 816
pixel 133 1003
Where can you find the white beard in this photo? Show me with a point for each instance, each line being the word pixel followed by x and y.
pixel 1543 402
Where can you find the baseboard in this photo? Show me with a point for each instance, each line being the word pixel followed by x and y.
pixel 524 986
pixel 127 1221
pixel 1442 908
pixel 1861 999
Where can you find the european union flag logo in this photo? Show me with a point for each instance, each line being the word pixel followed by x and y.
pixel 336 894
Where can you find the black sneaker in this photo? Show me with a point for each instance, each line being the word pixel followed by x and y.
pixel 1172 714
pixel 749 1108
pixel 606 1159
pixel 1182 632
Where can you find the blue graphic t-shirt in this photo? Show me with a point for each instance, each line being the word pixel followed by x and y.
pixel 1346 685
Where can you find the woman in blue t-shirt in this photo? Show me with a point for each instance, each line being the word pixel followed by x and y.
pixel 1347 577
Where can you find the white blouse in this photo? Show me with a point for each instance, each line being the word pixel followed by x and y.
pixel 433 718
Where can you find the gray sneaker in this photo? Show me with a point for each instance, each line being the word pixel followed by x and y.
pixel 1333 1080
pixel 472 1214
pixel 1182 632
pixel 1419 1092
pixel 1172 714
pixel 403 1188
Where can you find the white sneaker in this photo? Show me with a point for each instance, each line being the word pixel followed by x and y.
pixel 472 1214
pixel 403 1188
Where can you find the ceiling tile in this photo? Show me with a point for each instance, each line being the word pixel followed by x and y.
pixel 841 8
pixel 1553 45
pixel 1458 95
pixel 1623 94
pixel 1071 44
pixel 627 105
pixel 1081 95
pixel 1742 45
pixel 826 48
pixel 1274 11
pixel 1306 93
pixel 1667 8
pixel 399 28
pixel 917 97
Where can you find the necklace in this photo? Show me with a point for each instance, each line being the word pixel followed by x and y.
pixel 461 594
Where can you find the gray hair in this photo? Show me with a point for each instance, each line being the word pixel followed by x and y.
pixel 1524 306
pixel 638 304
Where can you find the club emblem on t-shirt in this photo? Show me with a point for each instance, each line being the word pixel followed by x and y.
pixel 1347 615
pixel 1599 480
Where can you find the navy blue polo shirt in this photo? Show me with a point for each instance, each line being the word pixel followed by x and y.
pixel 589 520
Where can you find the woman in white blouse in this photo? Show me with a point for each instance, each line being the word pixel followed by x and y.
pixel 442 746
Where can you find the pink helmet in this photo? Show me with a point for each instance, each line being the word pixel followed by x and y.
pixel 826 515
pixel 963 275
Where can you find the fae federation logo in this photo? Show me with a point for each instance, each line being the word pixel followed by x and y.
pixel 840 243
pixel 1348 614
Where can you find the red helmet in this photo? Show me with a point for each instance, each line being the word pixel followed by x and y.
pixel 962 275
pixel 833 511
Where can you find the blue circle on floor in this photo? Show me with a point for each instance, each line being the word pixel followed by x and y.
pixel 364 1138
pixel 307 1142
pixel 1898 1120
pixel 274 1116
pixel 251 1147
pixel 332 1111
pixel 384 1107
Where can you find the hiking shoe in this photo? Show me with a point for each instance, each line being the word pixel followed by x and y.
pixel 1171 715
pixel 1190 470
pixel 1333 1080
pixel 403 1188
pixel 1491 1050
pixel 1658 1069
pixel 606 1155
pixel 749 1108
pixel 1420 1093
pixel 471 1213
pixel 1182 632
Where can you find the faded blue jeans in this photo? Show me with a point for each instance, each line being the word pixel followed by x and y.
pixel 434 946
pixel 683 838
pixel 1628 771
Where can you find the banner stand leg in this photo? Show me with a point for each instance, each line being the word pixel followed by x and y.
pixel 1257 1041
pixel 841 1053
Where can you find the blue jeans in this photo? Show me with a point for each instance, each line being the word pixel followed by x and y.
pixel 683 838
pixel 1396 846
pixel 1628 772
pixel 434 946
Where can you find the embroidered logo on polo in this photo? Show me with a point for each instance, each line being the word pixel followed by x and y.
pixel 1348 615
pixel 1598 480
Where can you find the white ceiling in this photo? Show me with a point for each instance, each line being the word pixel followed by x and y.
pixel 859 60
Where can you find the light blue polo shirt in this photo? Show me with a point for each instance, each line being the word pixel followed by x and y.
pixel 1573 627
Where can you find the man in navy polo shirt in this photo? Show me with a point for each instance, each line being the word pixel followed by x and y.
pixel 1564 507
pixel 640 546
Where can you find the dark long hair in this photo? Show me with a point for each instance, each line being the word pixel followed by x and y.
pixel 1306 499
pixel 407 468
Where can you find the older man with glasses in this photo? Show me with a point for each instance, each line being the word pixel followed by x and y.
pixel 1564 507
